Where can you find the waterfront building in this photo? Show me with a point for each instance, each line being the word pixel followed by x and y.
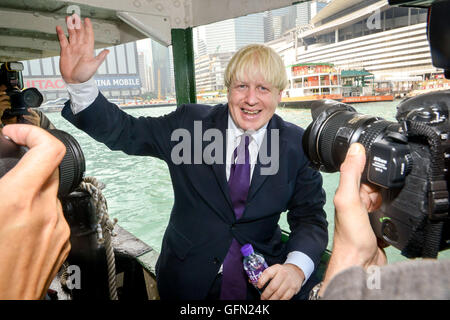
pixel 143 72
pixel 232 34
pixel 305 11
pixel 162 70
pixel 209 71
pixel 389 42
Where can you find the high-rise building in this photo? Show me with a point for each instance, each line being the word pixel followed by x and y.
pixel 161 69
pixel 232 34
pixel 210 70
pixel 307 10
pixel 141 64
pixel 276 22
pixel 199 44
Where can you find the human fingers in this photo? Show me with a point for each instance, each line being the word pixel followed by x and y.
pixel 89 34
pixel 63 42
pixel 271 287
pixel 32 118
pixel 347 193
pixel 39 162
pixel 371 197
pixel 101 57
pixel 4 96
pixel 12 120
pixel 265 277
pixel 73 37
pixel 279 285
pixel 352 167
pixel 79 27
pixel 5 102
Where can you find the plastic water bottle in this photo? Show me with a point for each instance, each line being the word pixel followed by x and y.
pixel 254 263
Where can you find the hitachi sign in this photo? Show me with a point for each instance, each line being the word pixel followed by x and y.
pixel 50 84
pixel 103 82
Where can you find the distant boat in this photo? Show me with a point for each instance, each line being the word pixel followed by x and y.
pixel 360 86
pixel 309 82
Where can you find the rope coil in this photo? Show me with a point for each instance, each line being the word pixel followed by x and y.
pixel 104 230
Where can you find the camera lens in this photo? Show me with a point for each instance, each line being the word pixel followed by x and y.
pixel 334 128
pixel 72 167
pixel 32 98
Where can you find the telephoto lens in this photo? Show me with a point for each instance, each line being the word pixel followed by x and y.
pixel 337 125
pixel 71 168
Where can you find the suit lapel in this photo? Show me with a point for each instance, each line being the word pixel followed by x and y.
pixel 220 122
pixel 260 172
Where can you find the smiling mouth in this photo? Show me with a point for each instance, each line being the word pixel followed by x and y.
pixel 250 112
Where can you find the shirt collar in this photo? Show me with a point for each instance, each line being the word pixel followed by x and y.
pixel 235 132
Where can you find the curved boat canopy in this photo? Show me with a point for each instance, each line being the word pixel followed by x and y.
pixel 27 27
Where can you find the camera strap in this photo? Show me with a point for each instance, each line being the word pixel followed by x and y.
pixel 426 236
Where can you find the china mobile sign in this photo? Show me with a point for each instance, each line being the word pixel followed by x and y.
pixel 103 83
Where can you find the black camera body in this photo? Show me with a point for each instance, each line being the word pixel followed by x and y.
pixel 11 77
pixel 408 160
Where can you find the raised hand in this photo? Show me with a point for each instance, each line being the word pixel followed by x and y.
pixel 78 62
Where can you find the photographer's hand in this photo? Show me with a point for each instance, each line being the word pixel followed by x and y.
pixel 78 62
pixel 4 105
pixel 32 118
pixel 34 235
pixel 354 243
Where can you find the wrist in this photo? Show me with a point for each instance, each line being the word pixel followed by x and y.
pixel 342 257
pixel 296 269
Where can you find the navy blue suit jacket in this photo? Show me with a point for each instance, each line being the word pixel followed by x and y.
pixel 202 222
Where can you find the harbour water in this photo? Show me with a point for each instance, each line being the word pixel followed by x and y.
pixel 139 190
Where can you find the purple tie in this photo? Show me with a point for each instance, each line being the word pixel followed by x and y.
pixel 234 280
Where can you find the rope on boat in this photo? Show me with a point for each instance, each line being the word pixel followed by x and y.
pixel 105 229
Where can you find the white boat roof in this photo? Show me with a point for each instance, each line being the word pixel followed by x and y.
pixel 321 27
pixel 27 27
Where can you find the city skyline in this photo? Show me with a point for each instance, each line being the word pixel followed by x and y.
pixel 230 35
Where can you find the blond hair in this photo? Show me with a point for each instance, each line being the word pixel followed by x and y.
pixel 257 59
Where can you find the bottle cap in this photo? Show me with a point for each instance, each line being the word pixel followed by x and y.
pixel 247 250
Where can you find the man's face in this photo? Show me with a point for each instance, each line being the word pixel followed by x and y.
pixel 252 102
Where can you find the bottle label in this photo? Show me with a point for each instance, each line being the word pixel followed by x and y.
pixel 254 275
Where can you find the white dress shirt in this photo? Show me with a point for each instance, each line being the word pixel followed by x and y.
pixel 83 95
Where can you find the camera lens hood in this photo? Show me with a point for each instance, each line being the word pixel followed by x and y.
pixel 321 111
pixel 73 166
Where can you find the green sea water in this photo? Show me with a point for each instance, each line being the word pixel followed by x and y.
pixel 139 190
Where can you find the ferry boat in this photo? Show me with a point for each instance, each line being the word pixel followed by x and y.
pixel 309 82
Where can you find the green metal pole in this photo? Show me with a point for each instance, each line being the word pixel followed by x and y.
pixel 183 62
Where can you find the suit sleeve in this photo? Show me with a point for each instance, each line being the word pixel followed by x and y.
pixel 306 217
pixel 107 123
